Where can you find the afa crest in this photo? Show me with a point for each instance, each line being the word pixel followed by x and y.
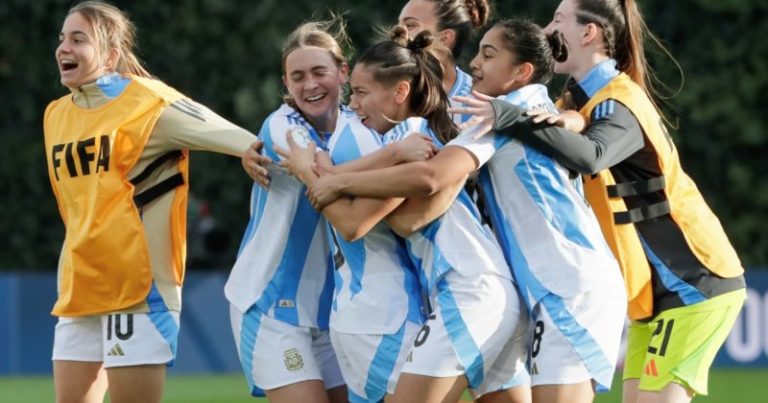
pixel 293 360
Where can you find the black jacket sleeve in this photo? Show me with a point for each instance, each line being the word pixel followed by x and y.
pixel 606 142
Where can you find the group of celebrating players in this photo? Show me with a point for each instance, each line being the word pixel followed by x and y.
pixel 441 231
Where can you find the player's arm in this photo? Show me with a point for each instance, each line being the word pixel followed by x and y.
pixel 415 179
pixel 188 124
pixel 352 218
pixel 452 166
pixel 416 212
pixel 607 141
pixel 416 147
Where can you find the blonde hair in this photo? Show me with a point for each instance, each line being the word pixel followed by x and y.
pixel 113 30
pixel 330 35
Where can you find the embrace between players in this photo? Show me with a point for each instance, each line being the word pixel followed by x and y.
pixel 440 232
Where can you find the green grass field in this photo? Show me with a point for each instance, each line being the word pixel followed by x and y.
pixel 725 386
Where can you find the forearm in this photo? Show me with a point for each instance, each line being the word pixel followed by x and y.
pixel 354 218
pixel 405 180
pixel 606 142
pixel 187 124
pixel 307 176
pixel 415 179
pixel 415 213
pixel 382 158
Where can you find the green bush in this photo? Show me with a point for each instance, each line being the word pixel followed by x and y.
pixel 227 55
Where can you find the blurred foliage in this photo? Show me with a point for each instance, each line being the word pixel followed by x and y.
pixel 226 54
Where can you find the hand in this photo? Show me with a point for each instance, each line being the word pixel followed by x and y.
pixel 320 171
pixel 568 119
pixel 483 115
pixel 415 147
pixel 255 164
pixel 324 191
pixel 298 159
pixel 323 163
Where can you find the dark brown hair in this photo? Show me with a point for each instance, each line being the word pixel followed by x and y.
pixel 462 16
pixel 401 58
pixel 528 42
pixel 624 34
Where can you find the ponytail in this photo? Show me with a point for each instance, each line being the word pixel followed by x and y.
pixel 463 17
pixel 624 34
pixel 415 61
pixel 113 30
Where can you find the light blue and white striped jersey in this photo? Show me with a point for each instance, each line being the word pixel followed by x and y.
pixel 461 87
pixel 549 235
pixel 285 263
pixel 457 240
pixel 377 288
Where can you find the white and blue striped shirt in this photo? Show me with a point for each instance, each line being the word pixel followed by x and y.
pixel 461 87
pixel 454 241
pixel 549 235
pixel 377 288
pixel 285 262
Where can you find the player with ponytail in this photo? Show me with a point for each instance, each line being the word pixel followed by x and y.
pixel 474 335
pixel 118 150
pixel 684 281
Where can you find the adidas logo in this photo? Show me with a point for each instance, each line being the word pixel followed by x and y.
pixel 650 368
pixel 115 351
pixel 409 358
pixel 534 369
pixel 286 303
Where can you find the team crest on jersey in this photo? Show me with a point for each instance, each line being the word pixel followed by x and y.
pixel 293 360
pixel 301 136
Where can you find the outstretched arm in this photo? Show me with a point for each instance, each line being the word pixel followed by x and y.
pixel 188 124
pixel 606 142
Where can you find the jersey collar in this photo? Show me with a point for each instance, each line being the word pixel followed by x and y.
pixel 599 77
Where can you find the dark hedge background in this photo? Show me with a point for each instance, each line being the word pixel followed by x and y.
pixel 226 54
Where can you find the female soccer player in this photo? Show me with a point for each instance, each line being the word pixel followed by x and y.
pixel 282 281
pixel 377 303
pixel 117 160
pixel 685 283
pixel 281 286
pixel 452 22
pixel 474 333
pixel 550 238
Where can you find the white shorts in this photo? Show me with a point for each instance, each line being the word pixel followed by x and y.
pixel 577 339
pixel 274 353
pixel 371 363
pixel 118 339
pixel 478 328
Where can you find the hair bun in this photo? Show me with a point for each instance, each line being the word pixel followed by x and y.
pixel 478 11
pixel 422 41
pixel 557 43
pixel 399 35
